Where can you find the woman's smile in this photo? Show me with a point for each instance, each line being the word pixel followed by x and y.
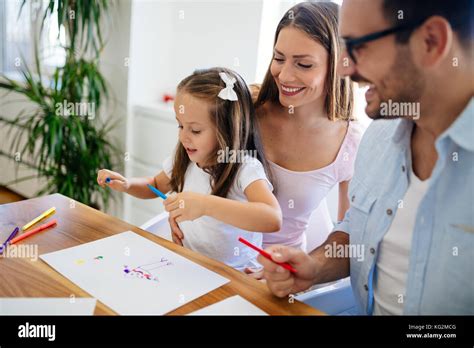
pixel 290 91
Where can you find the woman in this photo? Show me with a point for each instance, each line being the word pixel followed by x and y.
pixel 304 113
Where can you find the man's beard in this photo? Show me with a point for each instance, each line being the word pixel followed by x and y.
pixel 405 82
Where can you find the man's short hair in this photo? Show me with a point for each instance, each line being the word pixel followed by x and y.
pixel 459 14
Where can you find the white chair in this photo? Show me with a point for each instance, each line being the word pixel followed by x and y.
pixel 334 299
pixel 159 226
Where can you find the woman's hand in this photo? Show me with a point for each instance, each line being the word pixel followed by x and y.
pixel 186 206
pixel 117 182
pixel 176 233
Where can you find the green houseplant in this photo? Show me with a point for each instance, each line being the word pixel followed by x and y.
pixel 67 140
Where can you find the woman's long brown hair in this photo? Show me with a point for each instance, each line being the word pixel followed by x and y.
pixel 319 20
pixel 235 128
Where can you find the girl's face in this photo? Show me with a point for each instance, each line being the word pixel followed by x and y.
pixel 299 67
pixel 197 133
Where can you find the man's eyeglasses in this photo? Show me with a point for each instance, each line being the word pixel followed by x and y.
pixel 352 44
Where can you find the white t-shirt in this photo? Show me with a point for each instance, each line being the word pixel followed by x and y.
pixel 212 237
pixel 394 253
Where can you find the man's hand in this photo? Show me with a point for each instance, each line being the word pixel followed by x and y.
pixel 282 282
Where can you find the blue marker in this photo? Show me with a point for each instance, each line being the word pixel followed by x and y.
pixel 107 180
pixel 156 191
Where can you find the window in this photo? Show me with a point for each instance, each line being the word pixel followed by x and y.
pixel 18 34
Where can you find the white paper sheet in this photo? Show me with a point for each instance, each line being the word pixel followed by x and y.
pixel 133 275
pixel 234 305
pixel 47 306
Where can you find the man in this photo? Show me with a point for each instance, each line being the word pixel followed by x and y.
pixel 411 213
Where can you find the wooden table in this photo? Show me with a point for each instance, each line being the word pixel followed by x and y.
pixel 78 224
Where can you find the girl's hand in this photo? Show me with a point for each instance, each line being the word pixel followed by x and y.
pixel 254 273
pixel 117 182
pixel 186 206
pixel 176 233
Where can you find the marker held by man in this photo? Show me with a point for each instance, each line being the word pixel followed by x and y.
pixel 285 265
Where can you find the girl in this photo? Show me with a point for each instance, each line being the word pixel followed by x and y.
pixel 222 191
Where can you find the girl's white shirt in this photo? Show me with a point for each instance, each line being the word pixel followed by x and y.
pixel 212 237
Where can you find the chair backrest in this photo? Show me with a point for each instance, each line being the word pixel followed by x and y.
pixel 158 226
pixel 334 299
pixel 320 225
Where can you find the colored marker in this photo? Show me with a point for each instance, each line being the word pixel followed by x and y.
pixel 107 180
pixel 12 235
pixel 39 218
pixel 36 230
pixel 267 255
pixel 156 191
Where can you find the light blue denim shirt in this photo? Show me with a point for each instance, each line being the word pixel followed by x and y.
pixel 441 267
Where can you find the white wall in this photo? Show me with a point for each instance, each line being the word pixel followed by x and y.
pixel 170 39
pixel 10 105
pixel 115 67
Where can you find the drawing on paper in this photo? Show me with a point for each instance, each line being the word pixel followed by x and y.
pixel 125 292
pixel 147 271
pixel 80 262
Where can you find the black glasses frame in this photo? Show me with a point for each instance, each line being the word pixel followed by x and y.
pixel 352 43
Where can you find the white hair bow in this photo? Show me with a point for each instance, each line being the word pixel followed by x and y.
pixel 227 93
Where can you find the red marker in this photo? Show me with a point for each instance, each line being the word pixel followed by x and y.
pixel 36 230
pixel 267 255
